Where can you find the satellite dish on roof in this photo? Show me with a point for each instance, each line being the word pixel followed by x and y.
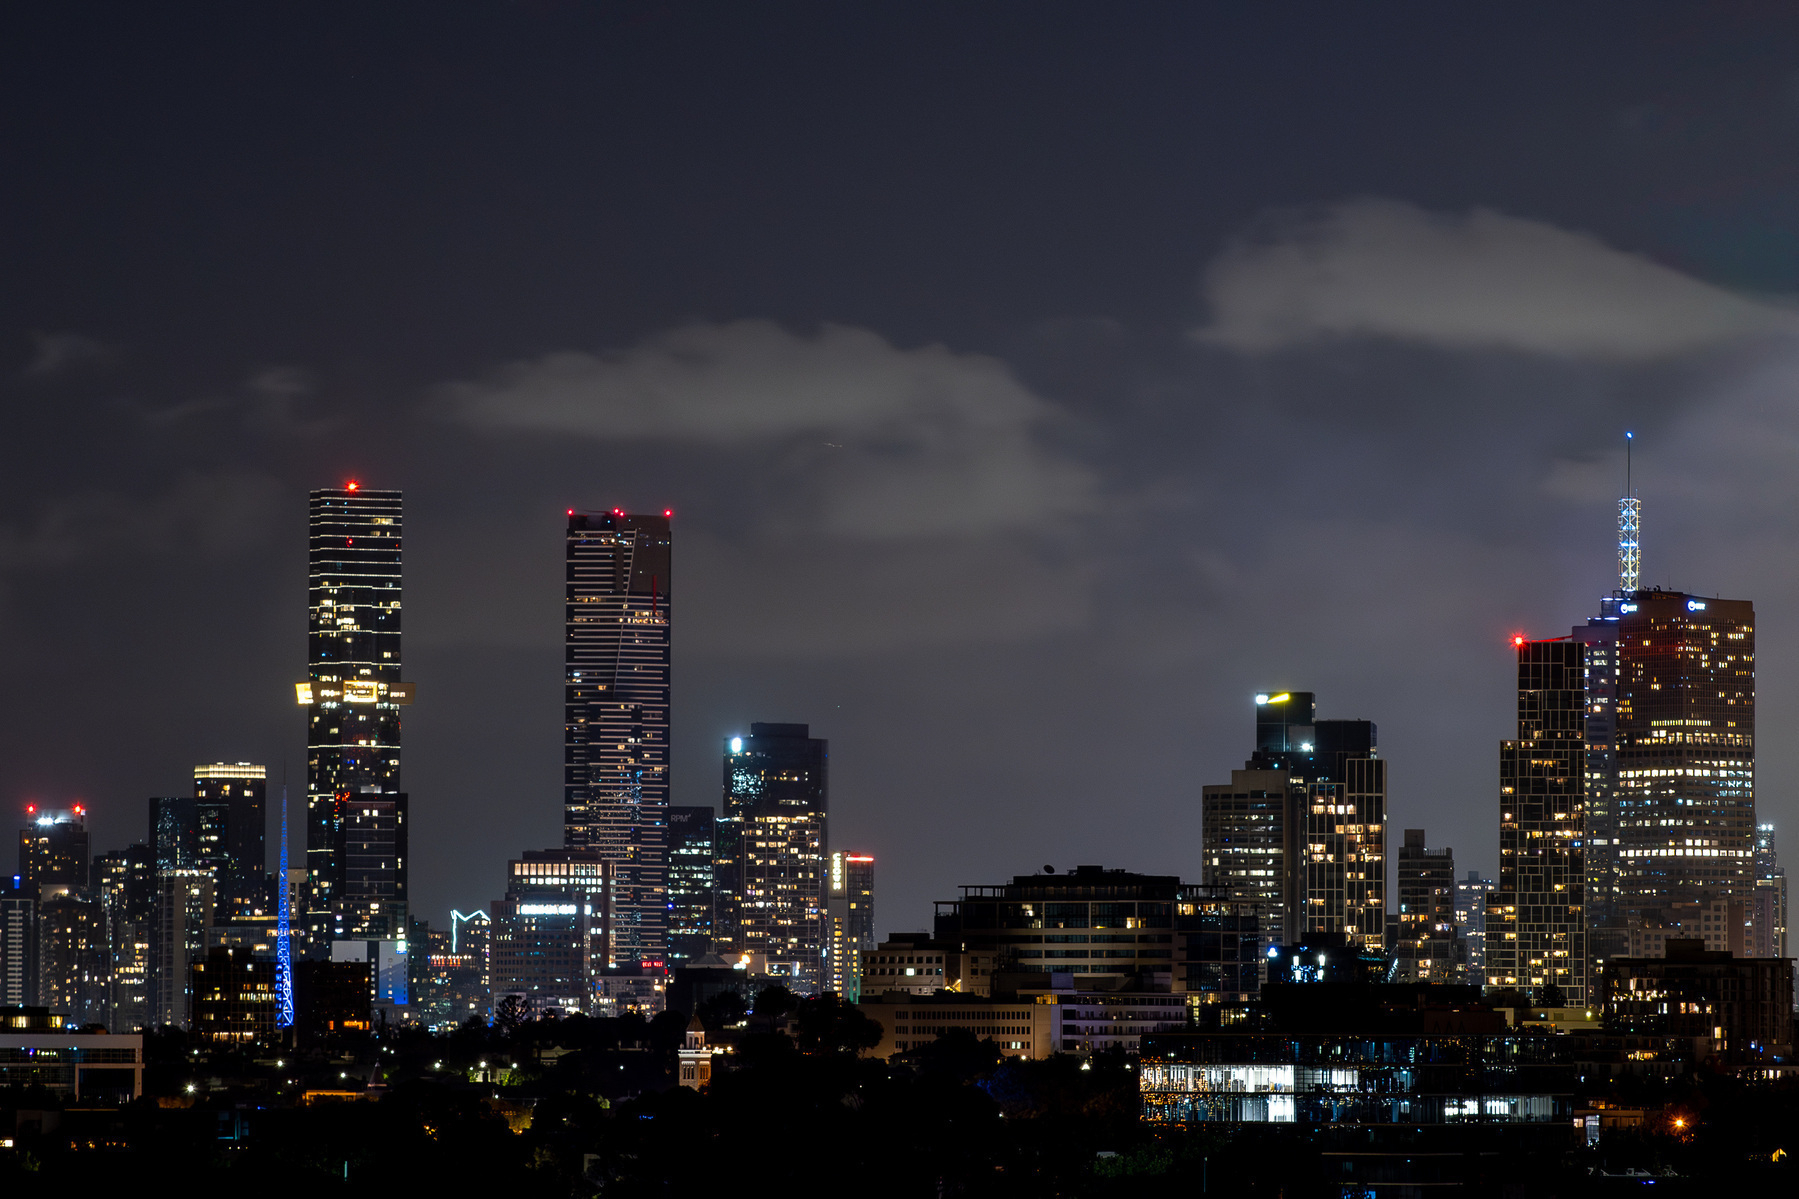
pixel 1049 870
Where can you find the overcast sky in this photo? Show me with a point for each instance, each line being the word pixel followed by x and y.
pixel 1031 385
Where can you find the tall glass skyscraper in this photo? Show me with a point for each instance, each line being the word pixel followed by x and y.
pixel 615 719
pixel 773 832
pixel 353 691
pixel 1685 752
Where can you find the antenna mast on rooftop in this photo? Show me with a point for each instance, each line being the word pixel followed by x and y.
pixel 1628 512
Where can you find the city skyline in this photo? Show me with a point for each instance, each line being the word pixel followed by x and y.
pixel 978 417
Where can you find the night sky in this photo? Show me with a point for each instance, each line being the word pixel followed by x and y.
pixel 1031 385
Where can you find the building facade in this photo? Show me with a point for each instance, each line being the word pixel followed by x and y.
pixel 232 818
pixel 1471 917
pixel 1686 752
pixel 774 833
pixel 849 920
pixel 548 936
pixel 618 624
pixel 1301 829
pixel 1742 1006
pixel 54 850
pixel 1429 947
pixel 1536 917
pixel 353 692
pixel 691 849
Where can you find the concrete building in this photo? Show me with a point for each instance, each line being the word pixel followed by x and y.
pixel 234 998
pixel 1018 1028
pixel 549 934
pixel 1428 945
pixel 1742 1006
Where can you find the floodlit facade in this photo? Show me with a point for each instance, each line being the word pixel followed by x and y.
pixel 1536 917
pixel 353 691
pixel 618 625
pixel 773 834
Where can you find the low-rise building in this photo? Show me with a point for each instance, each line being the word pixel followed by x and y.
pixel 1020 1028
pixel 37 1050
pixel 919 964
pixel 234 997
pixel 1743 1005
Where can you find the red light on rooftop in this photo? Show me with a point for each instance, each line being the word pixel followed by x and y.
pixel 668 512
pixel 31 809
pixel 352 485
pixel 1518 639
pixel 571 511
pixel 79 810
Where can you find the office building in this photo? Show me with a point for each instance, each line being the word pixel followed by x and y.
pixel 1301 829
pixel 353 690
pixel 1107 930
pixel 175 831
pixel 234 998
pixel 185 908
pixel 773 830
pixel 615 719
pixel 53 851
pixel 232 819
pixel 549 934
pixel 919 964
pixel 372 860
pixel 93 1069
pixel 18 943
pixel 72 957
pixel 849 920
pixel 1471 917
pixel 690 859
pixel 1428 947
pixel 1017 1027
pixel 1686 752
pixel 390 970
pixel 125 883
pixel 1743 1006
pixel 1536 917
pixel 1770 896
pixel 333 998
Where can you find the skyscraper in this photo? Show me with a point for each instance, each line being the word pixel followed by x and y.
pixel 690 855
pixel 615 718
pixel 1428 948
pixel 776 802
pixel 1686 752
pixel 1302 828
pixel 53 851
pixel 231 825
pixel 1770 896
pixel 850 920
pixel 353 691
pixel 1471 916
pixel 1536 919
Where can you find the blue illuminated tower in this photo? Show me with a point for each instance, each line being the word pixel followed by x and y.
pixel 284 959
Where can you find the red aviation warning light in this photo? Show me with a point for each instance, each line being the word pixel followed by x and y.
pixel 31 809
pixel 668 512
pixel 352 485
pixel 80 811
pixel 1517 639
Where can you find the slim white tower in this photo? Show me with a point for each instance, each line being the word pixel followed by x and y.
pixel 1628 514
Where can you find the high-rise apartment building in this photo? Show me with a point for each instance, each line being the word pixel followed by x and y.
pixel 185 905
pixel 53 850
pixel 231 831
pixel 615 718
pixel 1770 896
pixel 1686 752
pixel 1301 830
pixel 175 831
pixel 125 880
pixel 372 855
pixel 18 943
pixel 849 921
pixel 1471 917
pixel 690 855
pixel 353 692
pixel 776 803
pixel 1429 947
pixel 73 974
pixel 1536 918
